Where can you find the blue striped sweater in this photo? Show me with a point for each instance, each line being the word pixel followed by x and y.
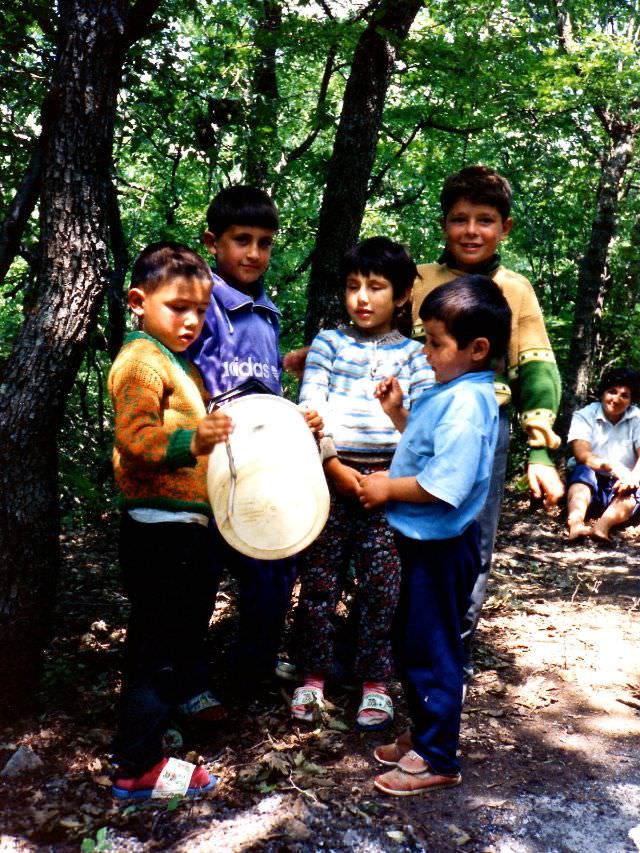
pixel 342 370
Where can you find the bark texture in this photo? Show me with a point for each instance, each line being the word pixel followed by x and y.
pixel 73 271
pixel 354 151
pixel 263 130
pixel 593 278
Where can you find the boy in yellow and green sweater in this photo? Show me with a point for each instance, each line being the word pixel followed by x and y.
pixel 162 439
pixel 476 217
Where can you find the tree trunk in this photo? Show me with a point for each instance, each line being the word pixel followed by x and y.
pixel 354 150
pixel 263 130
pixel 116 300
pixel 72 274
pixel 592 278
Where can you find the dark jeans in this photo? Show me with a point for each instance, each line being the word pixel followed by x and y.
pixel 264 597
pixel 436 582
pixel 170 579
pixel 488 520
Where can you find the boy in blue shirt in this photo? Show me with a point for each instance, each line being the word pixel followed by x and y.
pixel 239 341
pixel 437 484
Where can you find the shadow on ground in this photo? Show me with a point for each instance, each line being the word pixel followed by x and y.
pixel 549 741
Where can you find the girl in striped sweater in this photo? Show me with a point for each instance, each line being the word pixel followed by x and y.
pixel 342 370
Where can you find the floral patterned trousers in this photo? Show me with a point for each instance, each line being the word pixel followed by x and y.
pixel 364 538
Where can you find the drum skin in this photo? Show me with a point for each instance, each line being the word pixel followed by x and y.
pixel 280 501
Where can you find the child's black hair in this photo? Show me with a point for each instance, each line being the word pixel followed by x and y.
pixel 617 376
pixel 161 261
pixel 479 185
pixel 242 205
pixel 471 306
pixel 381 256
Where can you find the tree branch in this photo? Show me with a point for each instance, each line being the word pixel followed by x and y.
pixel 325 8
pixel 404 144
pixel 304 146
pixel 138 23
pixel 24 201
pixel 302 267
pixel 405 200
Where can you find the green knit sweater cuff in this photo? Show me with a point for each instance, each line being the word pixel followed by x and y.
pixel 540 456
pixel 179 449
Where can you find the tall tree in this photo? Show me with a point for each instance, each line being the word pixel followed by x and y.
pixel 618 40
pixel 354 150
pixel 593 278
pixel 93 39
pixel 263 125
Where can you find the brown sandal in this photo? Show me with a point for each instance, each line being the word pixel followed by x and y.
pixel 412 775
pixel 390 754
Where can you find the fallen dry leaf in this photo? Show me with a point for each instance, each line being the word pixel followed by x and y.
pixel 396 835
pixel 71 823
pixel 458 836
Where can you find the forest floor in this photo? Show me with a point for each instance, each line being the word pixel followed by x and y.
pixel 550 731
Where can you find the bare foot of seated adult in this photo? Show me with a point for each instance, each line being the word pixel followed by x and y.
pixel 601 533
pixel 579 530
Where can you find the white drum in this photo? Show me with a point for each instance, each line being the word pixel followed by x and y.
pixel 266 484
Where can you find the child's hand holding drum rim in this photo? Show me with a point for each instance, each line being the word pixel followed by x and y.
pixel 212 429
pixel 313 419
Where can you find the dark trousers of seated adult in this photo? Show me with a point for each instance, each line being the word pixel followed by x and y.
pixel 436 582
pixel 602 494
pixel 488 520
pixel 170 581
pixel 263 601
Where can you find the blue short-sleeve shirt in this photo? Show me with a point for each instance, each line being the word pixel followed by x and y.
pixel 448 446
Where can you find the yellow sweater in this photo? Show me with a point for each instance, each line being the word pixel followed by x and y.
pixel 158 401
pixel 533 378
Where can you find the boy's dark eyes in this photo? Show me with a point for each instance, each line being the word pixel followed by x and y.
pixel 243 240
pixel 370 285
pixel 461 220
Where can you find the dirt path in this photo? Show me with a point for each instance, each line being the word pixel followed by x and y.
pixel 550 735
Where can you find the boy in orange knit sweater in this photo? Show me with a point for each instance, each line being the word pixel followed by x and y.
pixel 162 439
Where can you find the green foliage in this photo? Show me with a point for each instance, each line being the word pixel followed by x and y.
pixel 474 82
pixel 100 845
pixel 87 489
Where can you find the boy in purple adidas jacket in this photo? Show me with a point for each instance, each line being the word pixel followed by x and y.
pixel 239 341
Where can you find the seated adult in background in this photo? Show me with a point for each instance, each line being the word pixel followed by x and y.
pixel 604 439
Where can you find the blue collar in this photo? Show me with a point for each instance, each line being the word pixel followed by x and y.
pixel 472 376
pixel 232 299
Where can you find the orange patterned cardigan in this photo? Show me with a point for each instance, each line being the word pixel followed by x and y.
pixel 158 401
